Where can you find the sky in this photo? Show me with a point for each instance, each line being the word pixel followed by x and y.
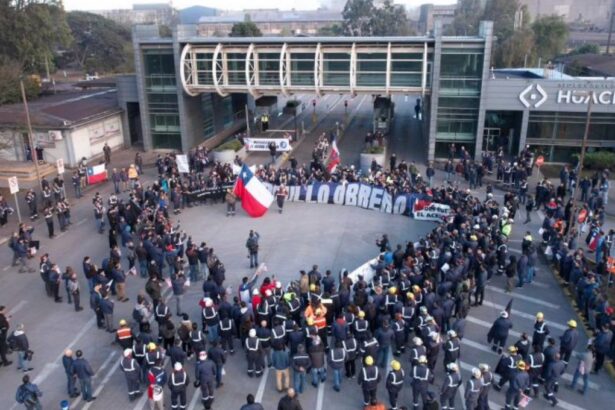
pixel 221 4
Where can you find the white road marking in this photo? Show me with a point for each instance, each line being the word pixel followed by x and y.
pixel 462 393
pixel 81 222
pixel 521 314
pixel 523 297
pixel 195 399
pixel 320 396
pixel 541 215
pixel 104 381
pixel 261 387
pixel 7 267
pixel 17 307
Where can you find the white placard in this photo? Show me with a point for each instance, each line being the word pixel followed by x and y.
pixel 430 211
pixel 182 163
pixel 60 165
pixel 262 144
pixel 13 185
pixel 364 270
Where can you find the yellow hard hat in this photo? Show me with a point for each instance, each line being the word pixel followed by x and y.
pixel 422 359
pixel 416 288
pixel 369 360
pixel 361 314
pixel 395 365
pixel 123 322
pixel 512 349
pixel 151 346
pixel 521 365
pixel 392 290
pixel 540 316
pixel 572 323
pixel 310 321
pixel 410 295
pixel 312 287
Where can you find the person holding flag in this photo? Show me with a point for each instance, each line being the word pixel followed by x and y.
pixel 254 196
pixel 334 157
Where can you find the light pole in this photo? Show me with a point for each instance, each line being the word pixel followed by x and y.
pixel 30 134
pixel 575 202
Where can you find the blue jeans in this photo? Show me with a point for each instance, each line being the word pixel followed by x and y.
pixel 194 273
pixel 100 224
pixel 585 377
pixel 77 191
pixel 23 362
pixel 212 336
pixel 322 372
pixel 254 259
pixel 298 381
pixel 383 356
pixel 143 268
pixel 116 185
pixel 337 378
pixel 86 388
pixel 529 277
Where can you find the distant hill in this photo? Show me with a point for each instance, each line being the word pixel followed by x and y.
pixel 191 15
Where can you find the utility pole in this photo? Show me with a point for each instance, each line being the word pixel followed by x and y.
pixel 608 41
pixel 575 202
pixel 30 133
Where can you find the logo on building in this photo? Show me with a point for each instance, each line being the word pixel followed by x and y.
pixel 533 96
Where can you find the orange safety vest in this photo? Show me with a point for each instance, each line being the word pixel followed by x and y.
pixel 124 333
pixel 320 322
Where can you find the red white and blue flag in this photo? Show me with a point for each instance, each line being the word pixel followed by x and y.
pixel 96 174
pixel 255 197
pixel 334 158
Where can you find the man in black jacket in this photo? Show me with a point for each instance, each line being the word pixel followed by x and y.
pixel 4 328
pixel 290 401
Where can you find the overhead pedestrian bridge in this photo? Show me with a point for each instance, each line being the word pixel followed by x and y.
pixel 319 65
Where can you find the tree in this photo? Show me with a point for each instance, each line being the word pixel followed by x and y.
pixel 502 13
pixel 586 49
pixel 10 90
pixel 31 31
pixel 331 31
pixel 245 29
pixel 467 17
pixel 551 34
pixel 516 50
pixel 358 17
pixel 389 20
pixel 100 44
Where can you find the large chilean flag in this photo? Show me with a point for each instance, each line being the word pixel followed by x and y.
pixel 255 198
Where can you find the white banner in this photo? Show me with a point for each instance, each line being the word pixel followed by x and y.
pixel 430 211
pixel 262 144
pixel 364 270
pixel 182 163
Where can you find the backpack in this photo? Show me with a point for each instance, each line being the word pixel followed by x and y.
pixel 137 315
pixel 24 395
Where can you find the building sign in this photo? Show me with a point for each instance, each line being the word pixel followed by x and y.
pixel 569 93
pixel 13 185
pixel 262 144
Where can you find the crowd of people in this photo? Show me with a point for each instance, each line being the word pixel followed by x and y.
pixel 392 328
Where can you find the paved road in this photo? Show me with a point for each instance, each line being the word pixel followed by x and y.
pixel 330 236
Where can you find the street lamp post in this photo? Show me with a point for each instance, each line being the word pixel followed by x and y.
pixel 30 133
pixel 575 201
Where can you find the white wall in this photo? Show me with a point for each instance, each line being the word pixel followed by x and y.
pixel 85 141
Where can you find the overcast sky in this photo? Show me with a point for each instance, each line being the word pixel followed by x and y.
pixel 221 4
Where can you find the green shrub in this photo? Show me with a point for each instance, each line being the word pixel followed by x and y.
pixel 233 144
pixel 598 160
pixel 374 150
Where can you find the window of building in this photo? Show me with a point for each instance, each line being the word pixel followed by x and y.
pixel 207 106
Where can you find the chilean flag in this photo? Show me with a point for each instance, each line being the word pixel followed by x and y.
pixel 334 158
pixel 255 198
pixel 96 174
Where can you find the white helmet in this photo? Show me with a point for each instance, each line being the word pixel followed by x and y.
pixel 452 334
pixel 484 367
pixel 417 341
pixel 252 333
pixel 452 367
pixel 476 373
pixel 504 314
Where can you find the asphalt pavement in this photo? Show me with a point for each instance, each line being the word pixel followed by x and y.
pixel 334 237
